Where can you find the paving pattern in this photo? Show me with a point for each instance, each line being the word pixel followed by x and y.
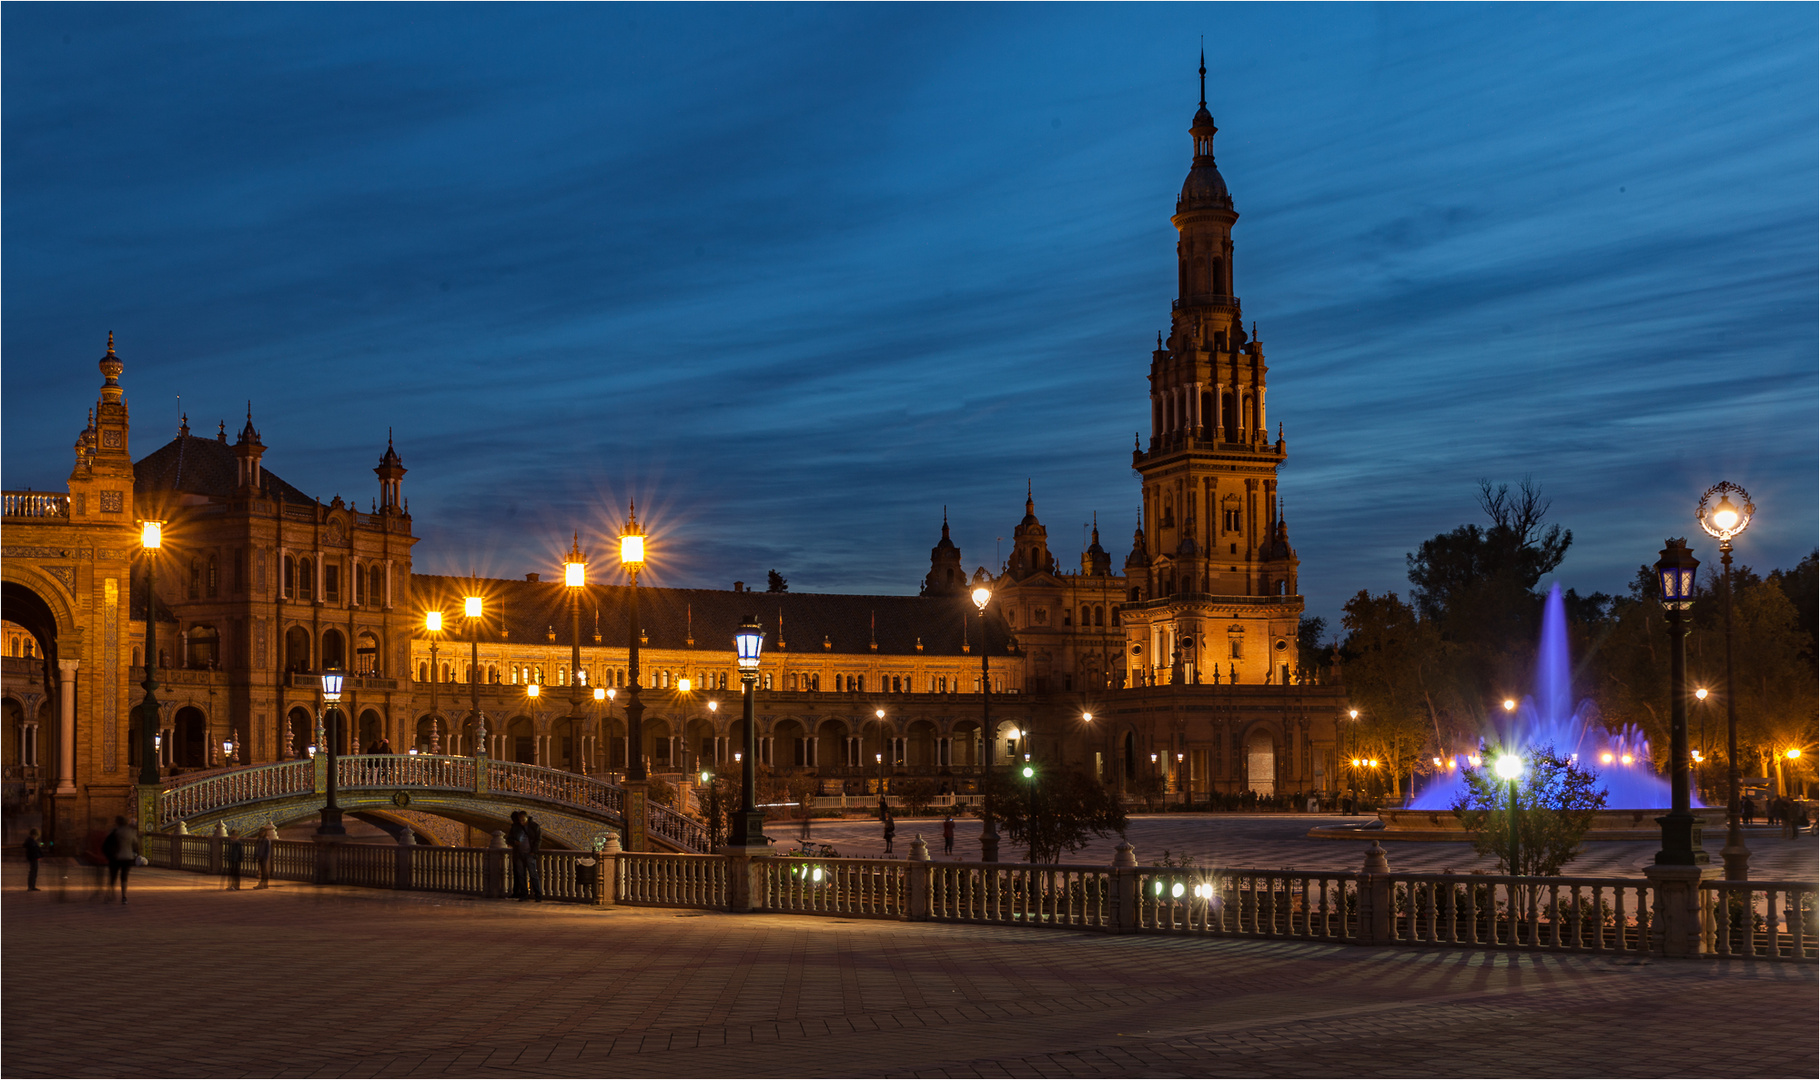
pixel 189 980
pixel 1273 841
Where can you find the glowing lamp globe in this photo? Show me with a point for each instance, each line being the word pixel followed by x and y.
pixel 533 690
pixel 1509 766
pixel 432 621
pixel 1675 575
pixel 981 597
pixel 331 686
pixel 599 694
pixel 470 606
pixel 151 535
pixel 747 642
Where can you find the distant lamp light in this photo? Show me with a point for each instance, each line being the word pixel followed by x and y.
pixel 470 606
pixel 1029 772
pixel 1605 758
pixel 1437 763
pixel 1509 766
pixel 704 776
pixel 331 686
pixel 683 684
pixel 575 567
pixel 1700 693
pixel 632 546
pixel 599 694
pixel 532 690
pixel 981 597
pixel 1353 713
pixel 312 750
pixel 432 621
pixel 1793 753
pixel 880 713
pixel 1698 756
pixel 1626 760
pixel 611 693
pixel 1510 705
pixel 713 706
pixel 1087 717
pixel 749 640
pixel 151 535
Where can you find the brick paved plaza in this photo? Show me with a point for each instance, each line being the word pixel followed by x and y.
pixel 189 980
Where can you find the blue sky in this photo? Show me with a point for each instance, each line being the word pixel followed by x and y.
pixel 798 277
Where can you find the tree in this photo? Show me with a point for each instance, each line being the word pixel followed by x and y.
pixel 1391 656
pixel 915 793
pixel 1309 650
pixel 1053 811
pixel 1556 800
pixel 776 582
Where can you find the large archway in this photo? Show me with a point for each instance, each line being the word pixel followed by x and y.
pixel 1261 762
pixel 189 739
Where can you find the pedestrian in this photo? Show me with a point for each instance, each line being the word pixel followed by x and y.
pixel 34 850
pixel 262 854
pixel 236 851
pixel 122 850
pixel 948 836
pixel 1749 811
pixel 890 831
pixel 524 839
pixel 808 809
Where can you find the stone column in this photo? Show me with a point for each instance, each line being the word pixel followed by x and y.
pixel 402 874
pixel 66 728
pixel 1676 929
pixel 1374 897
pixel 1124 889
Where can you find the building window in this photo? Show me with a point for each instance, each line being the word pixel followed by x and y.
pixel 423 671
pixel 331 583
pixel 1237 647
pixel 376 588
pixel 195 579
pixel 1229 520
pixel 360 587
pixel 306 579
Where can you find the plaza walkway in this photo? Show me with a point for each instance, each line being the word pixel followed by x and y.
pixel 189 980
pixel 1272 841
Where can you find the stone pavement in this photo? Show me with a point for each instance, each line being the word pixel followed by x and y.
pixel 189 980
pixel 1274 841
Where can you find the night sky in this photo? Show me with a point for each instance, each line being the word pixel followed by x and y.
pixel 798 277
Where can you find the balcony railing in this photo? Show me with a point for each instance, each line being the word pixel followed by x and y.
pixel 34 504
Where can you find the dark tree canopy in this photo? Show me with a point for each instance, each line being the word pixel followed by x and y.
pixel 776 582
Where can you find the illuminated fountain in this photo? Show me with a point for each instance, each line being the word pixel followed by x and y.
pixel 1551 717
pixel 1620 760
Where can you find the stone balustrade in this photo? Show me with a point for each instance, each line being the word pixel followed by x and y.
pixel 34 504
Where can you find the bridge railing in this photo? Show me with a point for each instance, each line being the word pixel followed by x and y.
pixel 34 504
pixel 189 798
pixel 664 880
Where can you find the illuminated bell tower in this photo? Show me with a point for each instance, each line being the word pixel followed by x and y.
pixel 1217 586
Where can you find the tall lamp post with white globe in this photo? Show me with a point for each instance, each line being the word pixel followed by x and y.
pixel 1675 573
pixel 1725 519
pixel 988 821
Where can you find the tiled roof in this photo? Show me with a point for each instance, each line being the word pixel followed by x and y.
pixel 530 610
pixel 203 467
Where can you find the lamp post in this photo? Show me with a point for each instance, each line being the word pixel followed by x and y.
pixel 432 623
pixel 632 560
pixel 1680 829
pixel 989 824
pixel 331 701
pixel 574 579
pixel 151 538
pixel 470 609
pixel 1725 520
pixel 1510 767
pixel 749 823
pixel 880 714
pixel 600 695
pixel 1352 744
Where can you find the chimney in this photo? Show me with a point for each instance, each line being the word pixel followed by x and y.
pixel 739 586
pixel 531 577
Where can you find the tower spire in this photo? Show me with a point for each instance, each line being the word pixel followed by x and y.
pixel 1203 73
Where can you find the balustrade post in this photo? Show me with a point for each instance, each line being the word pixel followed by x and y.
pixel 320 764
pixel 217 837
pixel 1374 897
pixel 1675 928
pixel 401 878
pixel 1124 889
pixel 175 859
pixel 493 866
pixel 916 883
pixel 606 870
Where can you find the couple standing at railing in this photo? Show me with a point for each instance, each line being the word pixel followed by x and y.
pixel 524 839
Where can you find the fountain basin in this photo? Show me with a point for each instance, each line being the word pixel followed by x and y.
pixel 1445 826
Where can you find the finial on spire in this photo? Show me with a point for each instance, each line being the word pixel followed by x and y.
pixel 110 343
pixel 183 426
pixel 1159 341
pixel 1203 72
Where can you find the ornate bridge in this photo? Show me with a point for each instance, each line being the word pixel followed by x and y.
pixel 481 792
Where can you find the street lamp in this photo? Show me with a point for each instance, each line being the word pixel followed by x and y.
pixel 1510 705
pixel 600 695
pixel 1675 570
pixel 989 824
pixel 470 610
pixel 575 579
pixel 880 714
pixel 749 823
pixel 1510 767
pixel 632 558
pixel 432 622
pixel 331 700
pixel 151 538
pixel 1725 520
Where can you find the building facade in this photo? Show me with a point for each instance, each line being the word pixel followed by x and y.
pixel 1181 665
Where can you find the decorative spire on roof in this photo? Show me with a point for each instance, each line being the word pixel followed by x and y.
pixel 183 427
pixel 1203 73
pixel 221 432
pixel 111 367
